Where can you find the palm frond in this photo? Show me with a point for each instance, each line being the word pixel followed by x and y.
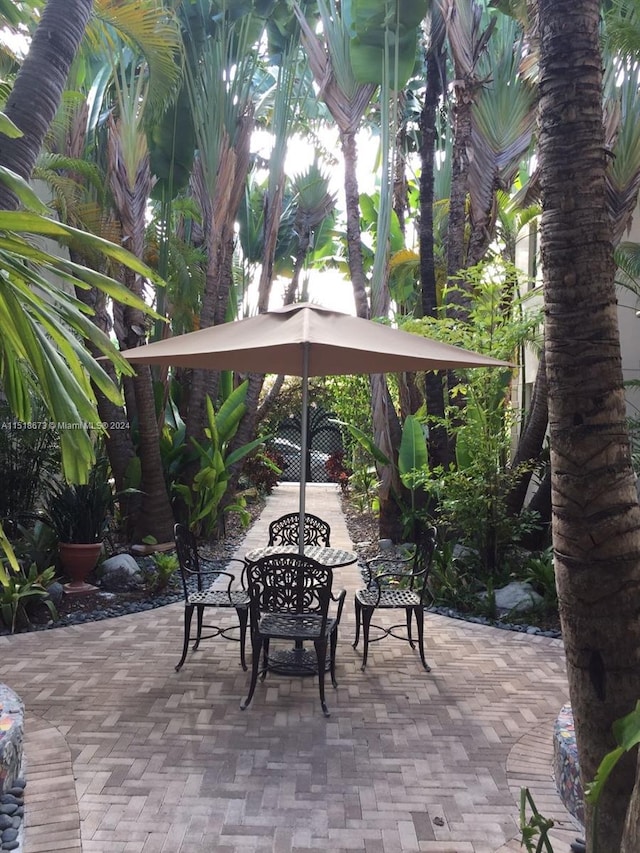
pixel 312 196
pixel 503 115
pixel 345 98
pixel 623 172
pixel 627 257
pixel 147 27
pixel 622 27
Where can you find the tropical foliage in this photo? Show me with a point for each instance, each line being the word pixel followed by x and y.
pixel 173 140
pixel 20 588
pixel 204 495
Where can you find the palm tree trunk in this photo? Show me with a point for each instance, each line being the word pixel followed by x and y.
pixel 383 413
pixel 531 441
pixel 130 194
pixel 596 517
pixel 200 384
pixel 155 517
pixel 540 504
pixel 352 204
pixel 219 206
pixel 118 444
pixel 457 300
pixel 298 266
pixel 440 448
pixel 38 88
pixel 272 217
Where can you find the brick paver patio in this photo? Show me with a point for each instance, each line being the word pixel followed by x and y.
pixel 124 755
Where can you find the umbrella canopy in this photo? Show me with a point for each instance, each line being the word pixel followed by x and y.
pixel 335 343
pixel 307 340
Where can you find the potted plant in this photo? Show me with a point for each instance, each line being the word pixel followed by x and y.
pixel 79 515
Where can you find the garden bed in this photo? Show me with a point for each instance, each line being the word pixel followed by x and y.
pixel 73 609
pixel 363 531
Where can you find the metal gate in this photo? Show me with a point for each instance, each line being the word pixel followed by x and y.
pixel 324 440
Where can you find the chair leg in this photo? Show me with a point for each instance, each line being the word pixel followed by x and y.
pixel 265 658
pixel 358 608
pixel 408 614
pixel 188 615
pixel 420 623
pixel 367 613
pixel 332 658
pixel 256 648
pixel 321 654
pixel 243 618
pixel 200 615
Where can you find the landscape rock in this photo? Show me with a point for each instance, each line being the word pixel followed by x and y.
pixel 55 591
pixel 516 597
pixel 120 573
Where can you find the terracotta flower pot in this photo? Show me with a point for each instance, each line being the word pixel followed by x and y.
pixel 78 561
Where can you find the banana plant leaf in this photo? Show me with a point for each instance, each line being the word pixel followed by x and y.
pixel 376 28
pixel 413 447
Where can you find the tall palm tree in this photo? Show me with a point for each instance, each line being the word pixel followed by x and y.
pixel 596 517
pixel 467 39
pixel 502 124
pixel 38 88
pixel 347 101
pixel 313 205
pixel 37 93
pixel 126 70
pixel 440 450
pixel 129 177
pixel 289 94
pixel 221 72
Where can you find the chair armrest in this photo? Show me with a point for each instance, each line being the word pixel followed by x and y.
pixel 206 571
pixel 339 598
pixel 242 577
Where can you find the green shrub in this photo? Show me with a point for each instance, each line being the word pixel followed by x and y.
pixel 20 588
pixel 162 574
pixel 37 544
pixel 29 456
pixel 540 573
pixel 263 469
pixel 451 584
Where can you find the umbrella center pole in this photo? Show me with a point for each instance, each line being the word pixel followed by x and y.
pixel 304 443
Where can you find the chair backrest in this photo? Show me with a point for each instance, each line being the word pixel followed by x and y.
pixel 187 551
pixel 426 541
pixel 289 584
pixel 286 530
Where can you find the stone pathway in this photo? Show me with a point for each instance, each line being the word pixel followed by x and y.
pixel 124 755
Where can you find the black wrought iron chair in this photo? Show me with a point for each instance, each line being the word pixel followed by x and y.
pixel 206 586
pixel 394 582
pixel 286 530
pixel 291 599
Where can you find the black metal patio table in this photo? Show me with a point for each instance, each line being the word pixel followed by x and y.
pixel 333 558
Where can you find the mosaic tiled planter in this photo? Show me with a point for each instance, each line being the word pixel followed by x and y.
pixel 565 764
pixel 11 737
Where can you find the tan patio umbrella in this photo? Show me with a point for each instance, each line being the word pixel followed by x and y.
pixel 307 340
